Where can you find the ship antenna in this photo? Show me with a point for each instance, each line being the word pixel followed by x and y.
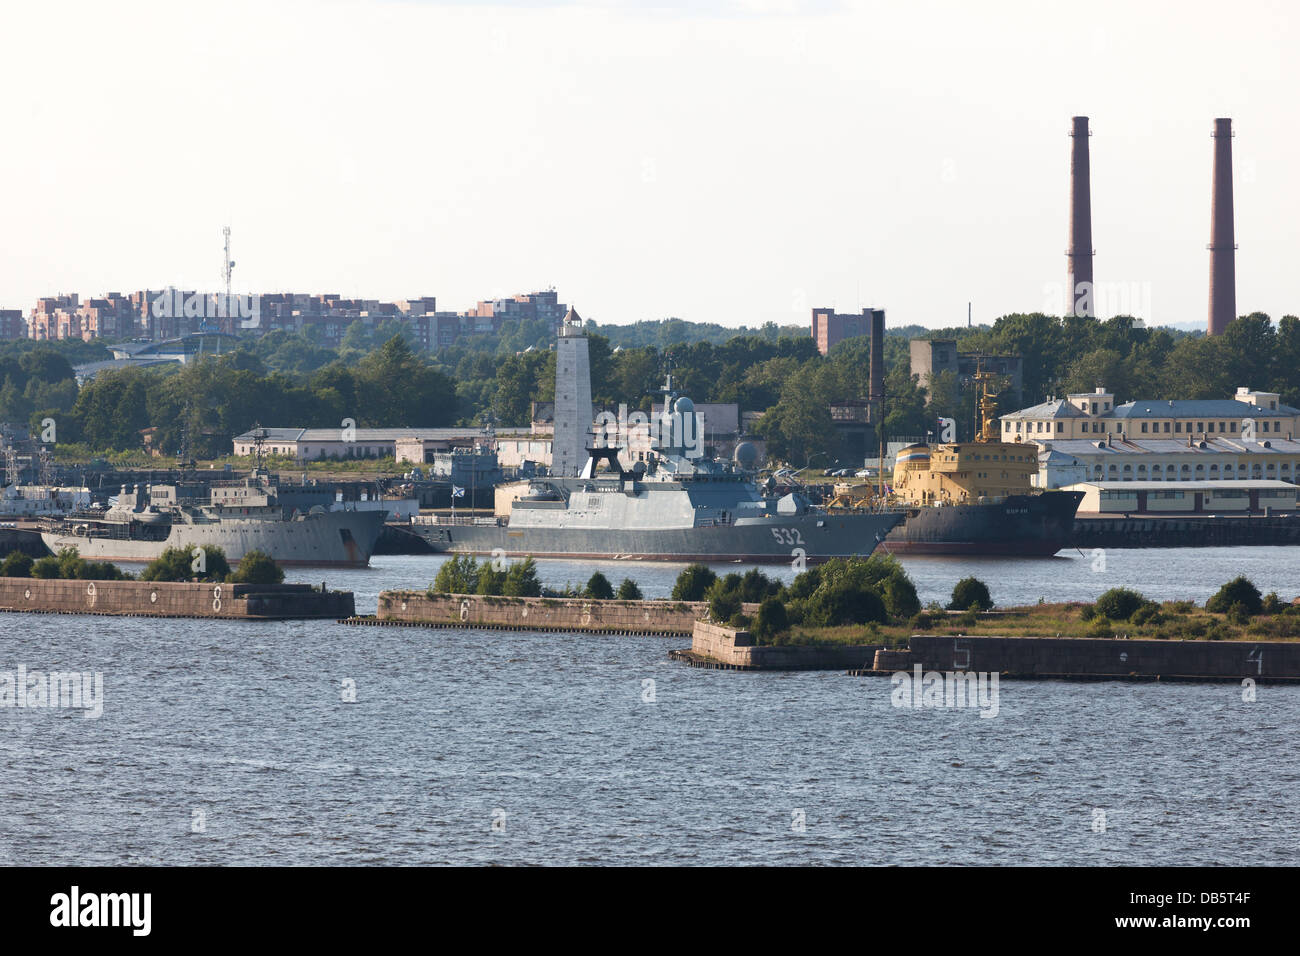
pixel 259 442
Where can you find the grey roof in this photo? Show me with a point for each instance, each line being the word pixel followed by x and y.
pixel 1197 408
pixel 273 434
pixel 1169 446
pixel 1057 408
pixel 85 372
pixel 363 434
pixel 1055 456
pixel 1197 484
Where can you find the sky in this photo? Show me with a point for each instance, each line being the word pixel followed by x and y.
pixel 732 162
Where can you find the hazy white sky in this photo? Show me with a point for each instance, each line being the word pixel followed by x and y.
pixel 731 162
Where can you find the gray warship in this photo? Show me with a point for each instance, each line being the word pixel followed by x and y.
pixel 670 507
pixel 237 516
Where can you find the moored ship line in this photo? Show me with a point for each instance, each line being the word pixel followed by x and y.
pixel 676 506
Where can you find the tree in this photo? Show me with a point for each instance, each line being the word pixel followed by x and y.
pixel 397 388
pixel 521 580
pixel 1240 590
pixel 800 424
pixel 771 619
pixel 46 568
pixel 970 592
pixel 257 567
pixel 18 564
pixel 517 387
pixel 599 588
pixel 693 582
pixel 628 591
pixel 459 574
pixel 899 595
pixel 491 580
pixel 755 586
pixel 723 605
pixel 1119 604
pixel 844 603
pixel 178 564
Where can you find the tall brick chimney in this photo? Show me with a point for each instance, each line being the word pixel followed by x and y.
pixel 1079 257
pixel 876 383
pixel 1223 265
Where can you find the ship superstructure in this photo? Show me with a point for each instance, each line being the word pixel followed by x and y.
pixel 977 497
pixel 238 516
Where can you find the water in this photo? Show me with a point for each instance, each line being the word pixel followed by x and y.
pixel 239 730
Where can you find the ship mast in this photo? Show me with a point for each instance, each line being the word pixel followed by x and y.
pixel 988 406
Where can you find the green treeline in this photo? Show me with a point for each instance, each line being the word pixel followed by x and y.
pixel 291 379
pixel 174 564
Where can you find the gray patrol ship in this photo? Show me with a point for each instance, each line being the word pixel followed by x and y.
pixel 670 508
pixel 236 516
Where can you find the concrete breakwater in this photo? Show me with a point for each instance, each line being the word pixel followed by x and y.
pixel 1023 657
pixel 1186 531
pixel 538 613
pixel 169 599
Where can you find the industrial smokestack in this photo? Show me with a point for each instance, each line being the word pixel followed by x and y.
pixel 876 384
pixel 1223 265
pixel 1079 257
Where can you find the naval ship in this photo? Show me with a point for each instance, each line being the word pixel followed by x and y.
pixel 671 507
pixel 977 498
pixel 237 516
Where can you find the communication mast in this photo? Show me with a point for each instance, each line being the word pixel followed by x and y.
pixel 227 264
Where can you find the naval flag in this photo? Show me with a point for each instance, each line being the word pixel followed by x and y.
pixel 457 492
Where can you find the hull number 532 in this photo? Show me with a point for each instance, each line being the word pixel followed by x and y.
pixel 791 536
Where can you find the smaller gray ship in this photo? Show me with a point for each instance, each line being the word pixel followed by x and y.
pixel 237 516
pixel 671 507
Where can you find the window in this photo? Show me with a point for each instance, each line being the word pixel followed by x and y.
pixel 1178 426
pixel 1166 428
pixel 1144 428
pixel 1060 427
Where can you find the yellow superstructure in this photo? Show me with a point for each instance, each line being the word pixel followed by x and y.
pixel 982 470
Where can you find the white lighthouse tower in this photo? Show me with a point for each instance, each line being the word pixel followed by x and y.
pixel 573 411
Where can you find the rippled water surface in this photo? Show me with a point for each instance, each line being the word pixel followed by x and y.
pixel 239 731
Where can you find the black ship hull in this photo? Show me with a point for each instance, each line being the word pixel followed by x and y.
pixel 1019 525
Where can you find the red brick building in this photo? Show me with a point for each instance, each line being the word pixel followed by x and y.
pixel 830 327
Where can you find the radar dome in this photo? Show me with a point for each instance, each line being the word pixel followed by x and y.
pixel 746 455
pixel 684 405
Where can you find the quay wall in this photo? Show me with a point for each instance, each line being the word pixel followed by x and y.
pixel 736 649
pixel 170 599
pixel 1185 532
pixel 1025 657
pixel 1109 657
pixel 543 614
